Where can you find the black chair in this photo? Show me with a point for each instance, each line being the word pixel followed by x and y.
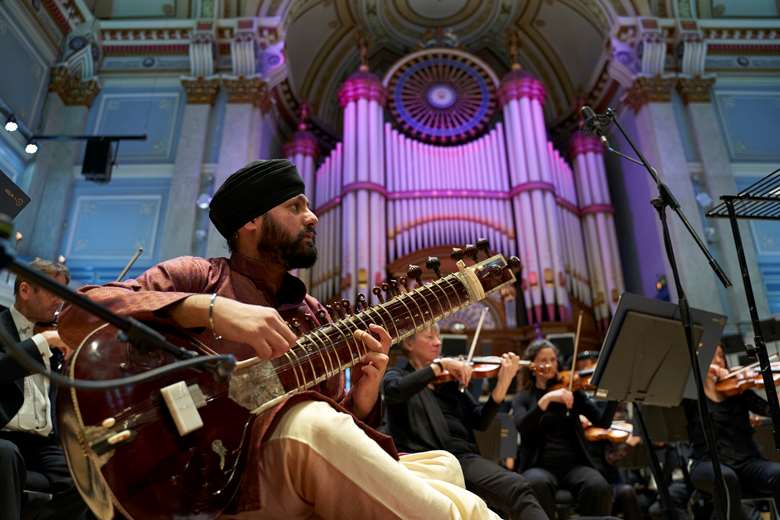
pixel 763 505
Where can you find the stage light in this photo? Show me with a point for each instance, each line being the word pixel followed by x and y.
pixel 31 147
pixel 204 199
pixel 10 124
pixel 61 259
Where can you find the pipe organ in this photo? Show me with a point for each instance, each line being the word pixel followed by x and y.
pixel 440 152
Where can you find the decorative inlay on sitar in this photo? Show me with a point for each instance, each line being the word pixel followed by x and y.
pixel 149 457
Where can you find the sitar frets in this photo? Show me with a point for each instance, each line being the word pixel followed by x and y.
pixel 335 339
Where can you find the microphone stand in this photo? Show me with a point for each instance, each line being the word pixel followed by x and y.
pixel 664 200
pixel 132 330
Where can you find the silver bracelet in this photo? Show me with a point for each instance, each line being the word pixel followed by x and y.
pixel 211 316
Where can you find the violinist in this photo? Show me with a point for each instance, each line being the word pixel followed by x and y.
pixel 608 446
pixel 423 416
pixel 552 450
pixel 742 465
pixel 27 419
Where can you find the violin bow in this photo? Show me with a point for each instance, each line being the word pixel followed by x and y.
pixel 576 348
pixel 135 257
pixel 474 341
pixel 746 367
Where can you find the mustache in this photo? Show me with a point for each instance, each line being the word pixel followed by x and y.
pixel 311 230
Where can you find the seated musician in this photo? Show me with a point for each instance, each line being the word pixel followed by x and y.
pixel 552 451
pixel 315 454
pixel 742 465
pixel 27 421
pixel 606 453
pixel 423 417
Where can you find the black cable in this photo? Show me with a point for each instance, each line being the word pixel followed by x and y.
pixel 225 364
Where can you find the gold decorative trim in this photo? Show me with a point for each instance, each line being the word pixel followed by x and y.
pixel 248 90
pixel 201 91
pixel 646 90
pixel 70 88
pixel 695 90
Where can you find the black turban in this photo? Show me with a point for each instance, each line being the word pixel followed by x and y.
pixel 251 191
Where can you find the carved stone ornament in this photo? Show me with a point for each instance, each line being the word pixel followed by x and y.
pixel 648 90
pixel 695 90
pixel 201 91
pixel 70 88
pixel 246 90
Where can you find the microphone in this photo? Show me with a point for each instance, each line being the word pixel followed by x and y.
pixel 594 123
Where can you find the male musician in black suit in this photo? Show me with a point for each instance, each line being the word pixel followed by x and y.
pixel 27 419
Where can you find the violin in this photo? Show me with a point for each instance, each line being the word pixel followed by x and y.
pixel 483 367
pixel 745 378
pixel 617 433
pixel 581 380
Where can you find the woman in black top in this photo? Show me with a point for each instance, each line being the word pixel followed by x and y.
pixel 742 465
pixel 423 417
pixel 552 450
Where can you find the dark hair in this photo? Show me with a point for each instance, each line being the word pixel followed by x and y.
pixel 52 269
pixel 232 242
pixel 527 378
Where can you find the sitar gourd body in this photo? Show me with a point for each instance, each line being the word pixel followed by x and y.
pixel 123 446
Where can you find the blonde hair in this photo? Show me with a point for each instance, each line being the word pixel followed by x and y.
pixel 433 327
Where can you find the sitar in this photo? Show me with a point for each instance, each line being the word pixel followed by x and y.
pixel 126 447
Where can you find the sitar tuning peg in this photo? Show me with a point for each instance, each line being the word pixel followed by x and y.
pixel 386 289
pixel 295 326
pixel 471 252
pixel 457 254
pixel 339 312
pixel 515 264
pixel 415 272
pixel 394 287
pixel 322 316
pixel 403 283
pixel 347 307
pixel 483 244
pixel 434 264
pixel 378 294
pixel 362 303
pixel 310 320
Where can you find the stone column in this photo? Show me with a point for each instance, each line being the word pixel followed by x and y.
pixel 650 98
pixel 185 184
pixel 719 180
pixel 42 223
pixel 240 139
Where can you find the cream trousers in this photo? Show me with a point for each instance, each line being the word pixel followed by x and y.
pixel 317 464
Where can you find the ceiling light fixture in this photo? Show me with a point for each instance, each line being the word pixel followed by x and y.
pixel 10 124
pixel 31 148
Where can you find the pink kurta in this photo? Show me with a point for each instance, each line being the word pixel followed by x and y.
pixel 148 297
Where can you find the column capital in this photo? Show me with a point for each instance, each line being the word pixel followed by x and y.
pixel 251 90
pixel 200 90
pixel 71 89
pixel 644 90
pixel 696 89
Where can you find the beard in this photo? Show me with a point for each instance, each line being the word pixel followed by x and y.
pixel 292 252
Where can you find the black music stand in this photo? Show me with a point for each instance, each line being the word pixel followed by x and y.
pixel 759 201
pixel 644 360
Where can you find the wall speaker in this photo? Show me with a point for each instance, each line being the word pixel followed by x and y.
pixel 98 159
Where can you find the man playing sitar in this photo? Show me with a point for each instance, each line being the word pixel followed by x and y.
pixel 314 454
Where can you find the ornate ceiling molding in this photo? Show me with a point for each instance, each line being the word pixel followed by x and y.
pixel 201 91
pixel 71 89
